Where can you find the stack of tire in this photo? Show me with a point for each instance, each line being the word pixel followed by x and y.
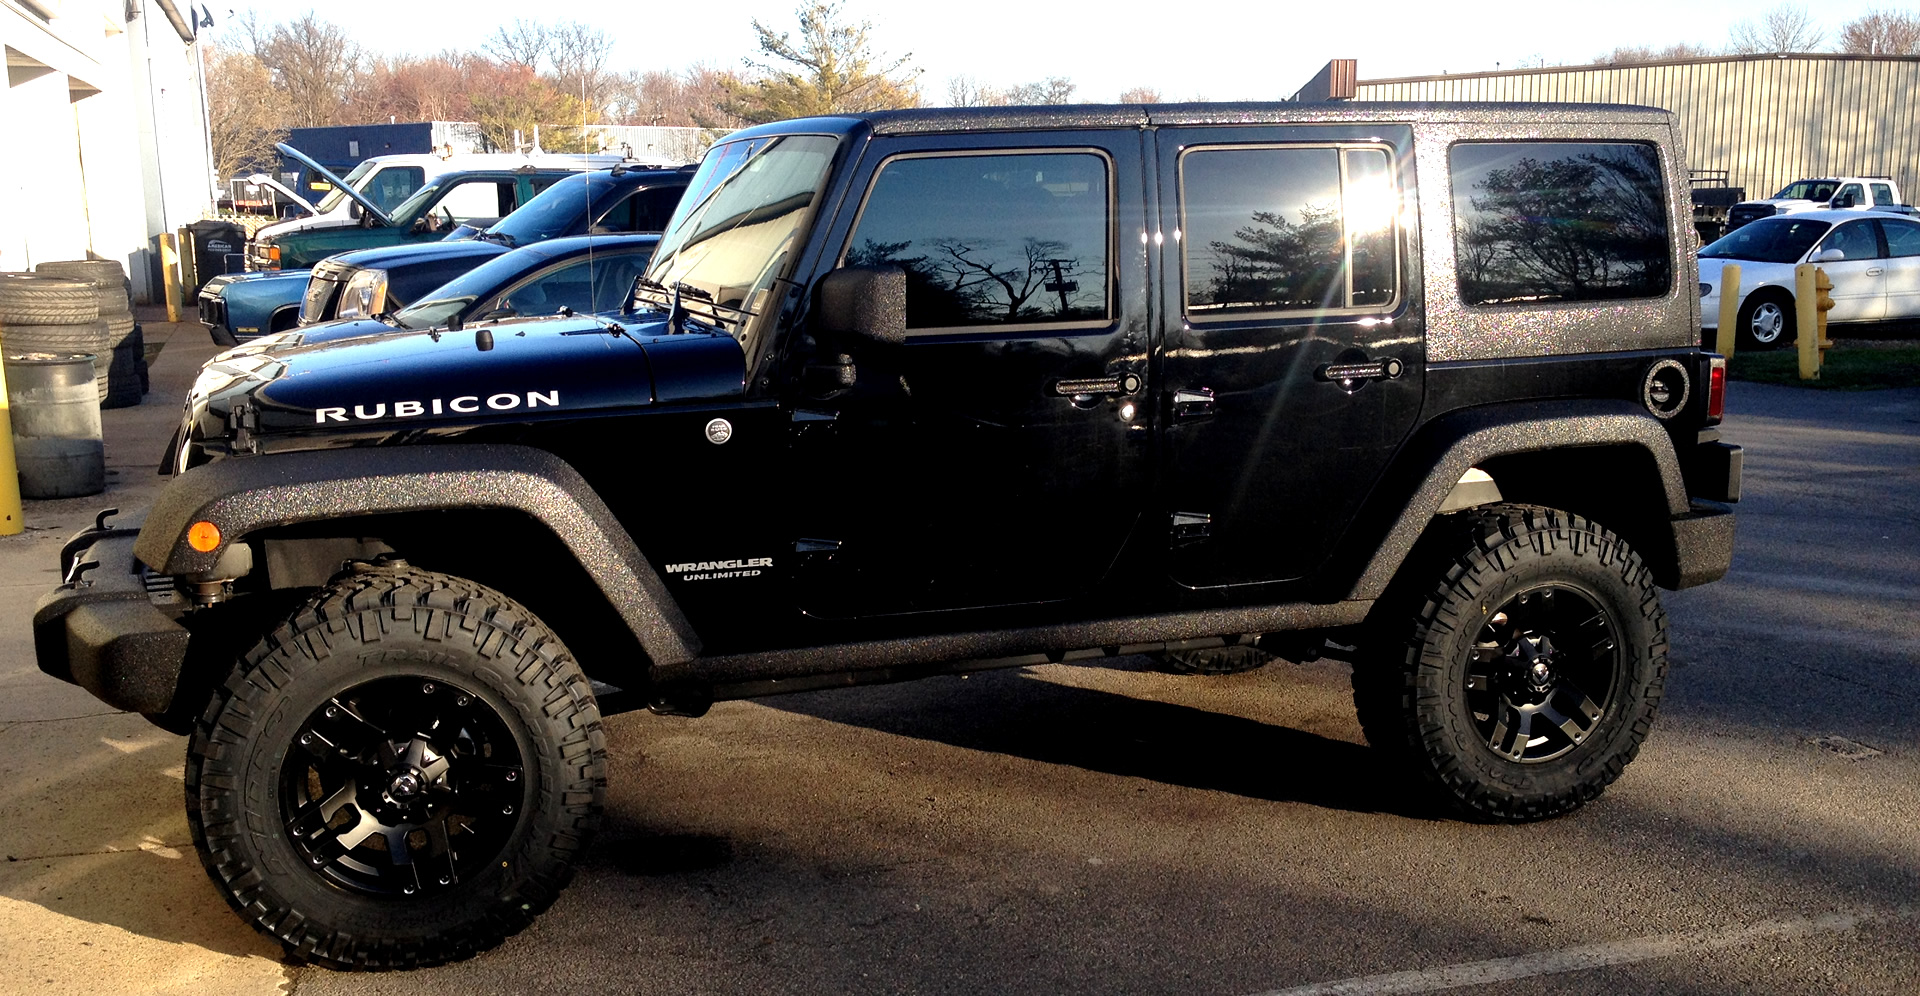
pixel 55 315
pixel 127 370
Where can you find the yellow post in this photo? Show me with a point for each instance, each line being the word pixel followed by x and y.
pixel 1806 323
pixel 170 275
pixel 1823 300
pixel 12 517
pixel 1729 308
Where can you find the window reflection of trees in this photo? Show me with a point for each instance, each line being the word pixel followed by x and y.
pixel 1276 263
pixel 1299 229
pixel 1566 222
pixel 1044 261
pixel 986 281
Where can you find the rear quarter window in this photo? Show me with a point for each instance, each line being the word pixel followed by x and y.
pixel 1559 222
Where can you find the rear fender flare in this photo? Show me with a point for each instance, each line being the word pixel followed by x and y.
pixel 1447 447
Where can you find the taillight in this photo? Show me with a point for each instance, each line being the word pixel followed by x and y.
pixel 1717 390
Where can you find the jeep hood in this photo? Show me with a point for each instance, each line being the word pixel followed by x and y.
pixel 376 380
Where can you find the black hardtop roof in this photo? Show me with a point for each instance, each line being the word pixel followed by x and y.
pixel 933 120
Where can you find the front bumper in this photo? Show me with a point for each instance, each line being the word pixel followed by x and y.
pixel 103 630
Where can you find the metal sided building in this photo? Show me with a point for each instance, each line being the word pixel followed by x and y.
pixel 1765 119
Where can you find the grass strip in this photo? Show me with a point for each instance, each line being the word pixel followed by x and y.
pixel 1845 369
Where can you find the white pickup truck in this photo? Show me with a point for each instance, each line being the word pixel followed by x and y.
pixel 1837 193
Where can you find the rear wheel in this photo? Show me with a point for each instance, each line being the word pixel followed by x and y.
pixel 1529 674
pixel 401 774
pixel 1766 321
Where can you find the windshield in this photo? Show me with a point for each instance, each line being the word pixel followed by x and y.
pixel 738 225
pixel 1769 240
pixel 1808 190
pixel 558 210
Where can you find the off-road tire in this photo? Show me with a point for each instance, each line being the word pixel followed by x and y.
pixel 1763 304
pixel 1411 689
pixel 31 299
pixel 1236 659
pixel 365 629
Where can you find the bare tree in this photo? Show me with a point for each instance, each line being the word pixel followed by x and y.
pixel 692 98
pixel 1786 28
pixel 579 55
pixel 1882 32
pixel 243 112
pixel 1052 90
pixel 1141 95
pixel 522 43
pixel 965 91
pixel 316 66
pixel 830 69
pixel 1627 54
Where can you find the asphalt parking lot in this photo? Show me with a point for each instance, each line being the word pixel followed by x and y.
pixel 1116 829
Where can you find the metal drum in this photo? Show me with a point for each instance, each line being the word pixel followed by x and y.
pixel 55 409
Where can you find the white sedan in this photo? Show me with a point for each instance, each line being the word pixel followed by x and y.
pixel 1873 260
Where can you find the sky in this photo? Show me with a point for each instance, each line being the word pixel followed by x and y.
pixel 1208 49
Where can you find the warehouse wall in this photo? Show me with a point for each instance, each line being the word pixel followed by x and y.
pixel 105 134
pixel 1767 120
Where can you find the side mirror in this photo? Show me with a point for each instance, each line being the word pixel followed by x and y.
pixel 1830 256
pixel 1843 201
pixel 866 302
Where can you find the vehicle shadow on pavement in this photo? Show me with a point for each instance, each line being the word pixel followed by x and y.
pixel 1018 715
pixel 100 838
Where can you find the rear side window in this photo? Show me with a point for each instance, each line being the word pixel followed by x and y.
pixel 1882 194
pixel 1268 230
pixel 1903 237
pixel 1004 240
pixel 1559 221
pixel 644 211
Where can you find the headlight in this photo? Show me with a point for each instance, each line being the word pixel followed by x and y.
pixel 365 295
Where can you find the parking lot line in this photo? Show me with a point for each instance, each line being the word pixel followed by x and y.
pixel 1583 957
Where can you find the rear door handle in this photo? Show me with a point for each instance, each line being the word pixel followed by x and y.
pixel 1193 402
pixel 1349 374
pixel 1876 271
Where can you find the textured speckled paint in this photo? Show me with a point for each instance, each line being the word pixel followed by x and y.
pixel 246 495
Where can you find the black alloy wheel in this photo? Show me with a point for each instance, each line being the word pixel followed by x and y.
pixel 402 786
pixel 1532 668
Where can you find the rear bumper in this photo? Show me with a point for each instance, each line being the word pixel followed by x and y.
pixel 101 630
pixel 1703 544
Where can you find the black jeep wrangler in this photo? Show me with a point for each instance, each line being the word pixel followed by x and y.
pixel 934 391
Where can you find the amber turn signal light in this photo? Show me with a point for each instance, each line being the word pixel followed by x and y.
pixel 203 536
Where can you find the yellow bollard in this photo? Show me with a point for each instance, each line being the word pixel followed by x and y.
pixel 12 517
pixel 170 274
pixel 1823 300
pixel 1729 308
pixel 1806 320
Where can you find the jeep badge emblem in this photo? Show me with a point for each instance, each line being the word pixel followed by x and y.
pixel 719 431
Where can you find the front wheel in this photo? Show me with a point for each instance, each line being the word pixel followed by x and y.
pixel 1529 675
pixel 401 774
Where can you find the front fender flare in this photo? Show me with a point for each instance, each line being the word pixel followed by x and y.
pixel 246 494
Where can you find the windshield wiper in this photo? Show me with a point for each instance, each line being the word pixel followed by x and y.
pixel 500 237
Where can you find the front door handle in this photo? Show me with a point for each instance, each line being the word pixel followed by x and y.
pixel 1876 271
pixel 1089 387
pixel 1350 375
